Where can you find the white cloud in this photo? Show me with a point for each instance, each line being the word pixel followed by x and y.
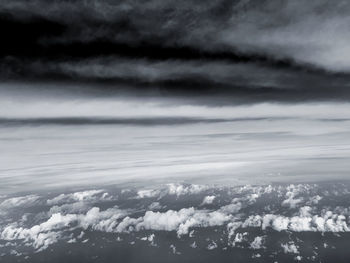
pixel 305 222
pixel 290 248
pixel 180 221
pixel 291 199
pixel 180 189
pixel 231 208
pixel 128 224
pixel 173 249
pixel 252 221
pixel 212 246
pixel 91 195
pixel 314 200
pixel 150 239
pixel 298 258
pixel 15 253
pixel 239 238
pixel 77 207
pixel 62 219
pixel 257 243
pixel 305 211
pixel 86 195
pixel 39 236
pixel 278 223
pixel 168 221
pixel 291 202
pixel 24 201
pixel 193 245
pixel 257 255
pixel 155 206
pixel 42 235
pixel 172 189
pixel 147 193
pixel 208 200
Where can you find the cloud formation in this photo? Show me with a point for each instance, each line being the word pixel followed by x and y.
pixel 245 217
pixel 297 30
pixel 90 195
pixel 22 201
pixel 253 51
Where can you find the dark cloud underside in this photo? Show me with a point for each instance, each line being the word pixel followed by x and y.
pixel 255 50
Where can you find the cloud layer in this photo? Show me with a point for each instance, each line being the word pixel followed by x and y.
pixel 267 50
pixel 245 218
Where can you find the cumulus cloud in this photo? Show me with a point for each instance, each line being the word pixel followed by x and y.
pixel 150 239
pixel 291 199
pixel 181 189
pixel 257 255
pixel 24 201
pixel 42 235
pixel 239 219
pixel 147 193
pixel 290 248
pixel 180 221
pixel 90 195
pixel 172 189
pixel 212 245
pixel 257 243
pixel 314 200
pixel 72 216
pixel 208 200
pixel 327 223
pixel 235 240
pixel 173 249
pixel 193 245
pixel 305 211
pixel 155 206
pixel 77 207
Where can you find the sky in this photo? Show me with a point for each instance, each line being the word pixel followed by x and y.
pixel 236 51
pixel 167 131
pixel 152 81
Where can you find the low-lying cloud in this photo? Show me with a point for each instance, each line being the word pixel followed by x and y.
pixel 247 218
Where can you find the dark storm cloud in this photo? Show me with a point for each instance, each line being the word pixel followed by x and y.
pixel 258 50
pixel 215 82
pixel 279 28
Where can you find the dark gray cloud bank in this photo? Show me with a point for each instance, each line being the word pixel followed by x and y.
pixel 253 50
